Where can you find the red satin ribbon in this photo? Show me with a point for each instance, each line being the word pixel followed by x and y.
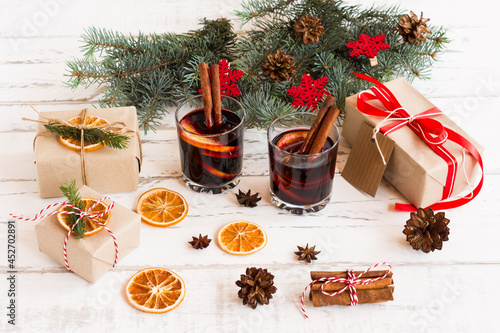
pixel 431 131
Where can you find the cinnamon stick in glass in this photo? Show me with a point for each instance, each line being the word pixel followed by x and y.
pixel 313 131
pixel 207 94
pixel 215 81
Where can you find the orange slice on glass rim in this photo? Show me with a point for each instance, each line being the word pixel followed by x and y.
pixel 74 144
pixel 291 138
pixel 155 290
pixel 242 238
pixel 161 207
pixel 91 227
pixel 204 142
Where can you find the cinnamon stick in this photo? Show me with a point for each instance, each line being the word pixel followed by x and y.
pixel 306 146
pixel 364 296
pixel 343 274
pixel 215 81
pixel 335 286
pixel 324 129
pixel 207 94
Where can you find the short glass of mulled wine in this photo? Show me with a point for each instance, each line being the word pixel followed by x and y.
pixel 300 183
pixel 211 160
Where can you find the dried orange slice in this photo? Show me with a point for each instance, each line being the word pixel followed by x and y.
pixel 155 290
pixel 161 207
pixel 242 237
pixel 291 138
pixel 74 144
pixel 91 227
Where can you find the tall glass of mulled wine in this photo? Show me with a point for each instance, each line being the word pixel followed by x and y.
pixel 211 160
pixel 300 182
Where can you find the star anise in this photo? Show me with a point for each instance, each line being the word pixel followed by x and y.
pixel 248 199
pixel 307 253
pixel 200 242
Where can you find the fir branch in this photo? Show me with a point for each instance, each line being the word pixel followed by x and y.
pixel 153 71
pixel 90 135
pixel 70 191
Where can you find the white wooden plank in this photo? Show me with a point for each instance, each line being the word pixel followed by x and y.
pixel 439 302
pixel 62 18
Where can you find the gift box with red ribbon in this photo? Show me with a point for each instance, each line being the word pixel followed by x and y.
pixel 92 256
pixel 433 160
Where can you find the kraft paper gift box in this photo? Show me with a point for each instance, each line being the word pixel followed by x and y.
pixel 414 168
pixel 92 256
pixel 108 170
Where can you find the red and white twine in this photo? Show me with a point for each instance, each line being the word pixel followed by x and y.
pixel 351 282
pixel 81 214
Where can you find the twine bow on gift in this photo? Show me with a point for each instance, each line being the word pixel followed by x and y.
pixel 117 127
pixel 351 282
pixel 431 131
pixel 81 214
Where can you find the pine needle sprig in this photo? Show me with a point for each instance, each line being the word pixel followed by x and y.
pixel 71 193
pixel 90 135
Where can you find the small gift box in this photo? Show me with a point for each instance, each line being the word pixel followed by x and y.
pixel 106 169
pixel 92 256
pixel 433 158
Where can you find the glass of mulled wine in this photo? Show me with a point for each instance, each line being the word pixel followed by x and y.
pixel 211 160
pixel 300 182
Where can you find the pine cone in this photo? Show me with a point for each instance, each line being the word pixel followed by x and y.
pixel 279 66
pixel 257 287
pixel 426 230
pixel 412 28
pixel 309 28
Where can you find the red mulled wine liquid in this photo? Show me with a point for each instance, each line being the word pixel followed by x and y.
pixel 300 179
pixel 211 157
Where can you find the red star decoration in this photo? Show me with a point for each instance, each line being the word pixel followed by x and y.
pixel 228 79
pixel 367 45
pixel 309 92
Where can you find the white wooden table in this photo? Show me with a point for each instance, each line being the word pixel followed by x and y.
pixel 449 290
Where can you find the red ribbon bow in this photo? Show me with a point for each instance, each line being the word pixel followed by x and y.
pixel 431 131
pixel 351 282
pixel 81 215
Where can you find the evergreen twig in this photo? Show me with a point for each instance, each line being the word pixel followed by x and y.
pixel 71 193
pixel 90 135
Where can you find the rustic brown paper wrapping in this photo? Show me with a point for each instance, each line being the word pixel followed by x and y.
pixel 108 170
pixel 92 256
pixel 414 169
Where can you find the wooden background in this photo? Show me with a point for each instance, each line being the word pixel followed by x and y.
pixel 449 290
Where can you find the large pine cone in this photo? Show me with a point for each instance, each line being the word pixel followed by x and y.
pixel 426 230
pixel 309 28
pixel 412 28
pixel 279 66
pixel 257 287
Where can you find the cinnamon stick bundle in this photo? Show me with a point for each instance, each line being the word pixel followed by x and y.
pixel 375 292
pixel 321 127
pixel 210 89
